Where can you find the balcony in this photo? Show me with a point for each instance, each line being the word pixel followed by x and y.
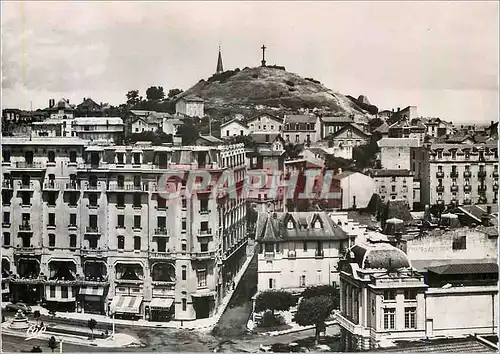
pixel 72 186
pixel 6 224
pixel 467 188
pixel 25 228
pixel 454 188
pixel 467 174
pixel 92 230
pixel 205 233
pixel 495 187
pixel 33 166
pixel 72 227
pixel 467 202
pixel 161 255
pixel 481 174
pixel 203 255
pixel 33 251
pixel 204 212
pixel 91 187
pixel 350 326
pixel 25 187
pixel 495 174
pixel 454 174
pixel 161 232
pixel 51 186
pixel 130 281
pixel 440 202
pixel 481 188
pixel 319 254
pixel 112 187
pixel 7 185
pixel 440 189
pixel 440 174
pixel 92 252
pixel 92 166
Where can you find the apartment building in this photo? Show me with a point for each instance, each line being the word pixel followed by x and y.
pixel 298 249
pixel 463 174
pixel 87 227
pixel 104 129
pixel 406 128
pixel 394 185
pixel 264 123
pixel 232 128
pixel 190 106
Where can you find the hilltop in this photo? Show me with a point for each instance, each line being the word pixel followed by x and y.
pixel 269 88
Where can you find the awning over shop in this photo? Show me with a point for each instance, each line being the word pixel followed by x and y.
pixel 126 304
pixel 98 291
pixel 161 304
pixel 203 293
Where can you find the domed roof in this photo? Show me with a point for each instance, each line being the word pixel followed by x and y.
pixel 379 256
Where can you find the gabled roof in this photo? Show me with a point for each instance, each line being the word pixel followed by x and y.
pixel 344 174
pixel 237 121
pixel 384 128
pixel 260 138
pixel 300 119
pixel 211 139
pixel 89 103
pixel 191 98
pixel 273 227
pixel 338 119
pixel 406 123
pixel 350 126
pixel 398 142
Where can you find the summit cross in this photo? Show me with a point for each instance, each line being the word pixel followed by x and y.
pixel 263 55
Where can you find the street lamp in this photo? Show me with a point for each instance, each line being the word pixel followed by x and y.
pixel 112 310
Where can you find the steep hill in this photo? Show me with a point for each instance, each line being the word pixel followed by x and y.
pixel 270 88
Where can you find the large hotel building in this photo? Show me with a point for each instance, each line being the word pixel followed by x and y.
pixel 85 228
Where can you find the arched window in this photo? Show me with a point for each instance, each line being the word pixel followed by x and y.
pixel 290 225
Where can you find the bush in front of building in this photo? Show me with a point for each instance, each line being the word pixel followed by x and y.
pixel 331 291
pixel 271 320
pixel 274 301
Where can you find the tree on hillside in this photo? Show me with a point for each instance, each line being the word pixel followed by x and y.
pixel 273 301
pixel 331 291
pixel 92 324
pixel 52 343
pixel 314 311
pixel 133 97
pixel 157 138
pixel 174 92
pixel 188 131
pixel 155 93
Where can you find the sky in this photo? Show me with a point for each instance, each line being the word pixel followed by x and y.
pixel 440 56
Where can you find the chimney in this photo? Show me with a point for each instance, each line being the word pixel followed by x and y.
pixel 84 99
pixel 393 110
pixel 485 220
pixel 51 103
pixel 399 109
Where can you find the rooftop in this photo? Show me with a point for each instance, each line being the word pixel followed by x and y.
pixel 441 345
pixel 392 173
pixel 465 268
pixel 43 141
pixel 398 142
pixel 380 255
pixel 300 119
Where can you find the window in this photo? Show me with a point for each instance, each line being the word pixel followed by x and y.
pixel 93 200
pixel 162 222
pixel 6 238
pixel 162 203
pixel 393 189
pixel 410 295
pixel 184 273
pixel 183 224
pixel 72 219
pixel 303 280
pixel 184 246
pixel 389 295
pixel 297 138
pixel 389 318
pixel 204 247
pixel 93 221
pixel 204 226
pixel 121 242
pixel 459 243
pixel 289 225
pixel 137 158
pixel 121 221
pixel 184 304
pixel 6 218
pixel 271 283
pixel 204 205
pixel 184 204
pixel 120 200
pixel 305 246
pixel 410 317
pixel 202 278
pixel 137 221
pixel 137 200
pixel 64 292
pixel 72 156
pixel 6 155
pixel 73 199
pixel 52 240
pixel 137 243
pixel 119 158
pixel 72 241
pixel 52 219
pixel 52 291
pixel 51 156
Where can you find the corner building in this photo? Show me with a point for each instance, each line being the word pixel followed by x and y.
pixel 110 238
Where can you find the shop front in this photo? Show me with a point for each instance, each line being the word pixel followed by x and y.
pixel 126 307
pixel 160 310
pixel 91 300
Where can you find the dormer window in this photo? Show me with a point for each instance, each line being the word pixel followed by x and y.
pixel 317 224
pixel 290 225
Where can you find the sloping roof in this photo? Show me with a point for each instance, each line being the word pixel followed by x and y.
pixel 384 128
pixel 441 345
pixel 275 227
pixel 88 102
pixel 344 174
pixel 260 138
pixel 276 118
pixel 339 119
pixel 210 138
pixel 300 119
pixel 317 151
pixel 191 98
pixel 398 209
pixel 141 113
pixel 237 121
pixel 97 121
pixel 379 256
pixel 354 126
pixel 468 268
pixel 391 173
pixel 398 142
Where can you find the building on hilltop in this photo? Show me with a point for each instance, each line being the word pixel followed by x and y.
pixel 86 226
pixel 300 129
pixel 89 108
pixel 220 68
pixel 190 106
pixel 232 128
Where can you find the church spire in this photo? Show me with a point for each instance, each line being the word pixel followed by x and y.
pixel 220 68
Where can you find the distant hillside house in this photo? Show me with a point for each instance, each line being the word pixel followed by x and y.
pixel 274 142
pixel 108 129
pixel 63 110
pixel 405 128
pixel 264 123
pixel 233 128
pixel 330 125
pixel 206 140
pixel 300 129
pixel 348 137
pixel 190 106
pixel 394 184
pixel 89 108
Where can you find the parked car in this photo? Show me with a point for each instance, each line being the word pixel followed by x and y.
pixel 18 306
